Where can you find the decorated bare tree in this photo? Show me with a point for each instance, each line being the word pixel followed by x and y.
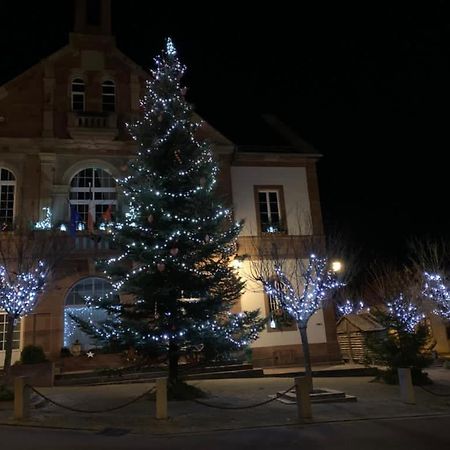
pixel 19 293
pixel 436 290
pixel 26 260
pixel 301 287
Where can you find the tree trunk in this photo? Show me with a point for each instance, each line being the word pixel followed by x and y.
pixel 8 347
pixel 173 362
pixel 306 354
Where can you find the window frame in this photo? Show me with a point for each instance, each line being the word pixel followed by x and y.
pixel 278 189
pixel 17 335
pixel 78 81
pixel 106 95
pixel 279 327
pixel 78 195
pixel 4 219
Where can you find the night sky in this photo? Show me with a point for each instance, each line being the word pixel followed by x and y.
pixel 367 86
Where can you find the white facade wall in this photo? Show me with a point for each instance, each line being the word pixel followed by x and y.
pixel 298 217
pixel 296 198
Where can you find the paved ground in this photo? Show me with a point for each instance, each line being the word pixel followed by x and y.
pixel 421 433
pixel 375 400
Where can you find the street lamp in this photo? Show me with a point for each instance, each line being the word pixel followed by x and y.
pixel 336 266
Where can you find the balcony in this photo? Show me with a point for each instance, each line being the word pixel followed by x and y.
pixel 92 125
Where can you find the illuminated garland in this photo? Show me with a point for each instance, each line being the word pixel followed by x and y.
pixel 408 314
pixel 318 284
pixel 436 290
pixel 19 292
pixel 351 307
pixel 46 223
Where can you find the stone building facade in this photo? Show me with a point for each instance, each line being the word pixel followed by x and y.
pixel 63 137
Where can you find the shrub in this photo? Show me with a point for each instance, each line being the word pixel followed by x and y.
pixel 32 354
pixel 6 395
pixel 400 347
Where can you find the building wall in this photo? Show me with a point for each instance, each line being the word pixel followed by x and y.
pixel 296 198
pixel 41 143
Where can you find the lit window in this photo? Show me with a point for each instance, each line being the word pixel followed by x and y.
pixel 16 334
pixel 7 193
pixel 96 186
pixel 270 210
pixel 278 319
pixel 108 96
pixel 78 93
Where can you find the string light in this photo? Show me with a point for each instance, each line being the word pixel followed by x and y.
pixel 174 235
pixel 19 292
pixel 351 307
pixel 318 284
pixel 436 290
pixel 408 315
pixel 46 223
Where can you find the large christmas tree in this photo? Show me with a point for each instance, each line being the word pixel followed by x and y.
pixel 176 239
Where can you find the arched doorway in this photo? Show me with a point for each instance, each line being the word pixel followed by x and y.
pixel 76 305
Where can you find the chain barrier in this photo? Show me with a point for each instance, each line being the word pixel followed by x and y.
pixel 265 402
pixel 437 394
pixel 69 408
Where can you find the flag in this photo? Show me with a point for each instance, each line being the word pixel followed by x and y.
pixel 74 219
pixel 91 212
pixel 107 215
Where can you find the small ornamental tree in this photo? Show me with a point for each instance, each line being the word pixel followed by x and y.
pixel 436 290
pixel 176 240
pixel 407 342
pixel 27 259
pixel 19 293
pixel 301 293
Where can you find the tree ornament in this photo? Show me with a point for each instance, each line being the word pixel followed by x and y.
pixel 150 218
pixel 207 238
pixel 174 251
pixel 161 267
pixel 177 156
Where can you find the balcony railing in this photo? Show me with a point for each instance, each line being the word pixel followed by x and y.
pixel 89 124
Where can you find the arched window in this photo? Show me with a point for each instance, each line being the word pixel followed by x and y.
pixel 7 194
pixel 78 94
pixel 108 96
pixel 91 289
pixel 94 189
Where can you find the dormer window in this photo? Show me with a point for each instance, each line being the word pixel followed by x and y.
pixel 78 95
pixel 108 96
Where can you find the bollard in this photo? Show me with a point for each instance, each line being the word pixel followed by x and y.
pixel 21 398
pixel 161 398
pixel 302 389
pixel 407 394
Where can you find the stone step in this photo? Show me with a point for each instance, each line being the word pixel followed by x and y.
pixel 318 396
pixel 147 377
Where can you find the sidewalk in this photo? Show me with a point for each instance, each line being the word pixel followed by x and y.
pixel 375 400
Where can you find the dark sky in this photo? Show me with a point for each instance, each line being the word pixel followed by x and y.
pixel 366 85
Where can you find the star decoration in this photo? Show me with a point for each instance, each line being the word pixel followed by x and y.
pixel 90 354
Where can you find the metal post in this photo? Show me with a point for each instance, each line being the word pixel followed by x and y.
pixel 302 389
pixel 21 398
pixel 407 394
pixel 161 398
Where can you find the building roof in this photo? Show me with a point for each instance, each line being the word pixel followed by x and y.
pixel 362 321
